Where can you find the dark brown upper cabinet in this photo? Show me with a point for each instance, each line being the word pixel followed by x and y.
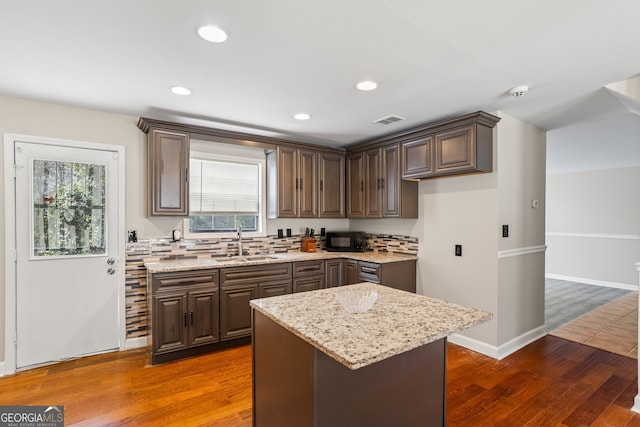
pixel 375 188
pixel 292 183
pixel 168 167
pixel 331 191
pixel 355 185
pixel 455 147
pixel 305 183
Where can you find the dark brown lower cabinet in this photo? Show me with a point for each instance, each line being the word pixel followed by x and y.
pixel 185 313
pixel 398 275
pixel 239 285
pixel 308 276
pixel 334 273
pixel 351 272
pixel 235 315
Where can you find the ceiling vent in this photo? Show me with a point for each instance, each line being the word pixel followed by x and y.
pixel 388 120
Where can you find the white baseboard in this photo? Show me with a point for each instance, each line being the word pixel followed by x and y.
pixel 627 286
pixel 2 373
pixel 636 404
pixel 505 349
pixel 132 343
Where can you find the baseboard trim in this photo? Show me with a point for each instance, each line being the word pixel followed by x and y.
pixel 627 286
pixel 499 352
pixel 2 373
pixel 132 343
pixel 636 404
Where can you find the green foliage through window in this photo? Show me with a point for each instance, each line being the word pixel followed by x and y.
pixel 68 208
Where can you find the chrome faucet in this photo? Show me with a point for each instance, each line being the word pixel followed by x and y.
pixel 239 231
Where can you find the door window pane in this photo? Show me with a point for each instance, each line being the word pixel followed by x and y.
pixel 68 208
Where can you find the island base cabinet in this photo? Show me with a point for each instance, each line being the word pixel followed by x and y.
pixel 295 384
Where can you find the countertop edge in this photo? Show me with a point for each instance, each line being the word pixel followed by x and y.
pixel 195 264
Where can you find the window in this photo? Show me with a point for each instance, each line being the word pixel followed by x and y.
pixel 68 208
pixel 225 192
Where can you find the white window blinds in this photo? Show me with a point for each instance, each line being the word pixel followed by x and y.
pixel 224 187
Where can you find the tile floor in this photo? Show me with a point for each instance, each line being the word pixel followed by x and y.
pixel 612 327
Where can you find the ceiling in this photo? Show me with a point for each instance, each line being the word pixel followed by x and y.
pixel 431 59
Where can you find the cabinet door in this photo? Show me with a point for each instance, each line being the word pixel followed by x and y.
pixel 373 184
pixel 307 184
pixel 308 284
pixel 235 312
pixel 170 323
pixel 390 181
pixel 355 186
pixel 455 150
pixel 168 173
pixel 331 186
pixel 204 324
pixel 287 170
pixel 272 289
pixel 334 276
pixel 417 158
pixel 351 269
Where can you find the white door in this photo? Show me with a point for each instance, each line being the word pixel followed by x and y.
pixel 67 288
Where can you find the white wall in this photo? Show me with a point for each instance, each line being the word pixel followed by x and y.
pixel 521 256
pixel 593 226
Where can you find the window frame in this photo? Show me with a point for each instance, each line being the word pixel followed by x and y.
pixel 220 152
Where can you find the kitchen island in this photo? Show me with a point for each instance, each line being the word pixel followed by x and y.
pixel 314 364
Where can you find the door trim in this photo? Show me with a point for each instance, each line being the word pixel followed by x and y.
pixel 10 257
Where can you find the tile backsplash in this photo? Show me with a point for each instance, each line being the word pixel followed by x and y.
pixel 137 254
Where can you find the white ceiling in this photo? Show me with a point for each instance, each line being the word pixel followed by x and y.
pixel 432 60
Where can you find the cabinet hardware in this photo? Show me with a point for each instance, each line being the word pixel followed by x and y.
pixel 321 185
pixel 185 320
pixel 382 183
pixel 192 318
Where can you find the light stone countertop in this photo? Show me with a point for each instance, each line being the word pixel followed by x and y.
pixel 200 264
pixel 398 321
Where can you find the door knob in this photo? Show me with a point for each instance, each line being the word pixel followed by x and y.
pixel 111 271
pixel 111 261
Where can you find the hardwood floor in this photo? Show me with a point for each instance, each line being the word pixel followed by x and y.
pixel 552 382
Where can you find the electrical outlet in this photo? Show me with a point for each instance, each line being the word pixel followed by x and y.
pixel 458 250
pixel 322 232
pixel 505 230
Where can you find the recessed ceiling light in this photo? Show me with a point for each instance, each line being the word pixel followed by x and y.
pixel 180 90
pixel 367 85
pixel 302 116
pixel 213 34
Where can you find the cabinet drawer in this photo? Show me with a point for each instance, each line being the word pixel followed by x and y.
pixel 308 268
pixel 242 275
pixel 369 272
pixel 184 278
pixel 308 284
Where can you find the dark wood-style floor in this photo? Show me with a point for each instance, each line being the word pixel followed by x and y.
pixel 552 382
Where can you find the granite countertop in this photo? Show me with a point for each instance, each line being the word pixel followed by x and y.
pixel 199 264
pixel 398 321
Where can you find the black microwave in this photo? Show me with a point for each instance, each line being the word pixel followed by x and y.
pixel 345 241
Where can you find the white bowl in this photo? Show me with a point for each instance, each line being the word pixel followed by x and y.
pixel 356 300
